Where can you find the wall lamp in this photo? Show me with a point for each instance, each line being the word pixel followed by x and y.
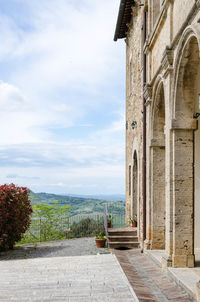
pixel 196 115
pixel 133 124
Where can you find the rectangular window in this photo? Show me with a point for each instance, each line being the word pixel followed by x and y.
pixel 129 182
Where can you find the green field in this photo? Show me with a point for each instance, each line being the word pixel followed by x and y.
pixel 80 205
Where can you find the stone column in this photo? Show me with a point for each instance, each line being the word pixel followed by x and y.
pixel 148 97
pixel 198 291
pixel 167 65
pixel 167 259
pixel 183 194
pixel 157 194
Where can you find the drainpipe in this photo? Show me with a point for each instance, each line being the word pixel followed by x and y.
pixel 144 130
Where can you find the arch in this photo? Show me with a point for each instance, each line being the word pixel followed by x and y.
pixel 186 149
pixel 136 183
pixel 134 207
pixel 159 88
pixel 157 166
pixel 156 89
pixel 191 33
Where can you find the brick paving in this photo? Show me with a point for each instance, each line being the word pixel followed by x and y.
pixel 148 281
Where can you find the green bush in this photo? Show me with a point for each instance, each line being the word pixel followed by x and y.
pixel 87 227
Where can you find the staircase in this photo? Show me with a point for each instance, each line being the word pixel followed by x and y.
pixel 123 238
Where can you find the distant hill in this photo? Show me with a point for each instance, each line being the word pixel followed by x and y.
pixel 111 197
pixel 82 205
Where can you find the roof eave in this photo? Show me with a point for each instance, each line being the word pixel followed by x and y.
pixel 119 19
pixel 123 18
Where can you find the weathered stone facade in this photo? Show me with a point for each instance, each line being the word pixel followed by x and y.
pixel 172 104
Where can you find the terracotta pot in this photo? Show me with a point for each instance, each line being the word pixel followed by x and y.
pixel 134 224
pixel 109 224
pixel 100 243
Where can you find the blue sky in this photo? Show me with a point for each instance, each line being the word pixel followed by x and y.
pixel 62 92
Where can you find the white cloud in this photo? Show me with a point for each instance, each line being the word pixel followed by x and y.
pixel 61 67
pixel 11 98
pixel 68 45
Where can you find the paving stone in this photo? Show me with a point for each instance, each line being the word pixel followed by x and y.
pixel 79 278
pixel 71 247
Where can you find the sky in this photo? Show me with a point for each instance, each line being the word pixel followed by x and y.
pixel 62 96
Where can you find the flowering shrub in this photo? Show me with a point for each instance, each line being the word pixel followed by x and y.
pixel 15 211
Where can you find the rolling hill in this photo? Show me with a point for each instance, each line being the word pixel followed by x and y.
pixel 80 205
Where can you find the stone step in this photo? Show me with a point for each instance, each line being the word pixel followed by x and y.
pixel 127 244
pixel 122 238
pixel 123 232
pixel 116 233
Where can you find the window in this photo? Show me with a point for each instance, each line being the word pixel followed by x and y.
pixel 129 180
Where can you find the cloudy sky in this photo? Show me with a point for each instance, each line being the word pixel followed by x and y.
pixel 62 96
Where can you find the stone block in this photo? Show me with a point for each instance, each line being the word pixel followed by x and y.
pixel 166 262
pixel 198 291
pixel 183 261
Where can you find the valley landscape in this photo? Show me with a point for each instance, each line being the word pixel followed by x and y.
pixel 87 205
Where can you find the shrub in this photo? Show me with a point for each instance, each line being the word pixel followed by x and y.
pixel 53 220
pixel 87 227
pixel 15 211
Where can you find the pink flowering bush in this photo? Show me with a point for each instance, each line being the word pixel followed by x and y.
pixel 15 211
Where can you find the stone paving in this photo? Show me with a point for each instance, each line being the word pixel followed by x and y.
pixel 48 272
pixel 71 247
pixel 46 276
pixel 96 278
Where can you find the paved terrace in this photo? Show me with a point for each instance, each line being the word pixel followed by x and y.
pixel 49 272
pixel 45 276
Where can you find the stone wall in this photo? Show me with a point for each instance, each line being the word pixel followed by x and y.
pixel 173 67
pixel 134 103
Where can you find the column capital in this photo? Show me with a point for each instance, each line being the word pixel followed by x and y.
pixel 148 94
pixel 157 143
pixel 167 61
pixel 198 3
pixel 186 124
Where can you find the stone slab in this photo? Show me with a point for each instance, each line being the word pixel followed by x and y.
pixel 79 278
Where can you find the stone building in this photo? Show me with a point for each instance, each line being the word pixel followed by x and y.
pixel 162 124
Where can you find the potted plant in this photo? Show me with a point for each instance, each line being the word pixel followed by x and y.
pixel 100 240
pixel 133 221
pixel 109 220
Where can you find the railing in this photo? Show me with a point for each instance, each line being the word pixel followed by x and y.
pixel 41 230
pixel 106 220
pixel 117 213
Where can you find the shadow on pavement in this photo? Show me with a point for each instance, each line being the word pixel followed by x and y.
pixel 20 252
